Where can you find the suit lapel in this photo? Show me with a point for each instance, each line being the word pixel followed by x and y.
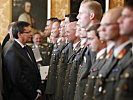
pixel 21 53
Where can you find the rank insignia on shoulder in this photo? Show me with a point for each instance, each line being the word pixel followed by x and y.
pixel 101 57
pixel 109 54
pixel 121 54
pixel 45 44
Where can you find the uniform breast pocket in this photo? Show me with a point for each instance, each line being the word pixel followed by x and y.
pixel 124 91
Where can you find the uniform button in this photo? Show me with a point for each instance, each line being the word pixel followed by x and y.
pixel 85 94
pixel 69 83
pixel 93 98
pixel 93 77
pixel 94 87
pixel 86 85
pixel 104 91
pixel 117 89
pixel 112 79
pixel 126 75
pixel 100 75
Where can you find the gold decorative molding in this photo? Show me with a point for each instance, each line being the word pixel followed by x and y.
pixel 59 8
pixel 5 17
pixel 116 3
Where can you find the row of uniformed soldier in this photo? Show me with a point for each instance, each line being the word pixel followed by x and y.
pixel 87 69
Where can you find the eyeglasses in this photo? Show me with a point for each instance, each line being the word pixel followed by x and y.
pixel 27 32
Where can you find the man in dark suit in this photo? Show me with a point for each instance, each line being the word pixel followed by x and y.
pixel 21 76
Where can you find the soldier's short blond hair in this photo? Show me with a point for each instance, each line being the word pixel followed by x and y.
pixel 94 6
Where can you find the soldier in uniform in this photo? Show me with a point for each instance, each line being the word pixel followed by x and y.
pixel 99 47
pixel 85 21
pixel 124 88
pixel 71 31
pixel 108 75
pixel 44 48
pixel 52 74
pixel 48 28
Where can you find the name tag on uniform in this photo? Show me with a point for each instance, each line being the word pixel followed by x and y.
pixel 37 54
pixel 44 72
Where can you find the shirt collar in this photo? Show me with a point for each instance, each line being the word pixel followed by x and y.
pixel 75 44
pixel 119 48
pixel 36 46
pixel 19 43
pixel 110 46
pixel 100 53
pixel 83 41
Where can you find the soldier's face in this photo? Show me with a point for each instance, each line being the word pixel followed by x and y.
pixel 62 28
pixel 37 39
pixel 109 29
pixel 94 41
pixel 126 22
pixel 83 16
pixel 71 32
pixel 27 7
pixel 55 29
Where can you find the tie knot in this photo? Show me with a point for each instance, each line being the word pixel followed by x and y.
pixel 25 48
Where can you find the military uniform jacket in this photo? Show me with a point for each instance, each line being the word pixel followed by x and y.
pixel 45 51
pixel 52 74
pixel 69 68
pixel 124 90
pixel 93 72
pixel 72 79
pixel 109 75
pixel 62 71
pixel 82 71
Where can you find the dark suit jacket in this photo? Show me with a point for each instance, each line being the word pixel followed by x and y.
pixel 5 40
pixel 21 75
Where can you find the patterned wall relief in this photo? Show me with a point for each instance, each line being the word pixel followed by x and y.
pixel 5 17
pixel 116 3
pixel 59 8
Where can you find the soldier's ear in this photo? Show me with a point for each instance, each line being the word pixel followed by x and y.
pixel 92 15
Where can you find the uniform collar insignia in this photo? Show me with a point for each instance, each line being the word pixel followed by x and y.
pixel 121 54
pixel 109 54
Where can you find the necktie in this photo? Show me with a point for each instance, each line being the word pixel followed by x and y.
pixel 27 52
